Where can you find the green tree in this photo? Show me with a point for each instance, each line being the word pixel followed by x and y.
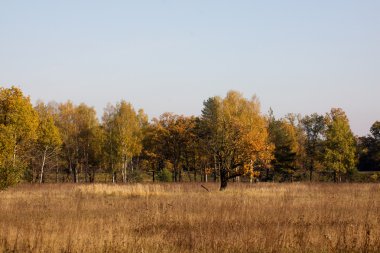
pixel 208 132
pixel 314 127
pixel 18 125
pixel 369 149
pixel 340 146
pixel 164 175
pixel 284 137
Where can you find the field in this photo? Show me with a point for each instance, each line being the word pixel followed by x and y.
pixel 188 218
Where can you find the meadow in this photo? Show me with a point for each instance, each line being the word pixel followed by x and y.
pixel 186 217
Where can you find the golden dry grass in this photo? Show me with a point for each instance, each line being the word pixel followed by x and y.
pixel 187 218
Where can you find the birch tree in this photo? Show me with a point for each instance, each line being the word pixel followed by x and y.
pixel 123 137
pixel 48 138
pixel 18 125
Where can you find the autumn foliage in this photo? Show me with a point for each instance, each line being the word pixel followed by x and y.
pixel 231 140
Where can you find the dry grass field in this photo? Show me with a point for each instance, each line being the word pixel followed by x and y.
pixel 186 218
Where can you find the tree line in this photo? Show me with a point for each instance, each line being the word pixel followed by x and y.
pixel 230 141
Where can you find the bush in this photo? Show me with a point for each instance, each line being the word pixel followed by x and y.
pixel 9 176
pixel 164 176
pixel 134 176
pixel 375 177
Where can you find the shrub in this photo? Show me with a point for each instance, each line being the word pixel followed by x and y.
pixel 9 176
pixel 135 176
pixel 164 175
pixel 374 177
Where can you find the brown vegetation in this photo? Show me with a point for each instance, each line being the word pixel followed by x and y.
pixel 187 218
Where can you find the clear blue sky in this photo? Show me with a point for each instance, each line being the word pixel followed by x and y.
pixel 297 56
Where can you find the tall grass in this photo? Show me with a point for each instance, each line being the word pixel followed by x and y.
pixel 187 218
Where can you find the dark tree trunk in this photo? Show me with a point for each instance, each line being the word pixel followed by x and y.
pixel 75 174
pixel 56 174
pixel 215 169
pixel 86 173
pixel 311 175
pixel 189 175
pixel 311 170
pixel 93 175
pixel 223 183
pixel 223 179
pixel 180 175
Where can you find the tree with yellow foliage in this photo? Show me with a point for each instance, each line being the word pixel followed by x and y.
pixel 340 145
pixel 238 135
pixel 69 131
pixel 123 141
pixel 49 140
pixel 18 125
pixel 171 131
pixel 81 134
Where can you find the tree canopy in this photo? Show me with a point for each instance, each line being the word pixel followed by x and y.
pixel 18 127
pixel 230 141
pixel 238 135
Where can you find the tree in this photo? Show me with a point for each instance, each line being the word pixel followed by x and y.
pixel 143 121
pixel 128 135
pixel 369 149
pixel 314 127
pixel 339 154
pixel 66 122
pixel 96 157
pixel 208 133
pixel 109 141
pixel 238 135
pixel 48 141
pixel 195 154
pixel 123 130
pixel 295 120
pixel 151 150
pixel 171 141
pixel 284 137
pixel 18 125
pixel 78 126
pixel 87 137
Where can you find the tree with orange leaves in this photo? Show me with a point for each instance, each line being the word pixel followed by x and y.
pixel 237 134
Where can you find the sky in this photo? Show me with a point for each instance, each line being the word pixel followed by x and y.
pixel 170 56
